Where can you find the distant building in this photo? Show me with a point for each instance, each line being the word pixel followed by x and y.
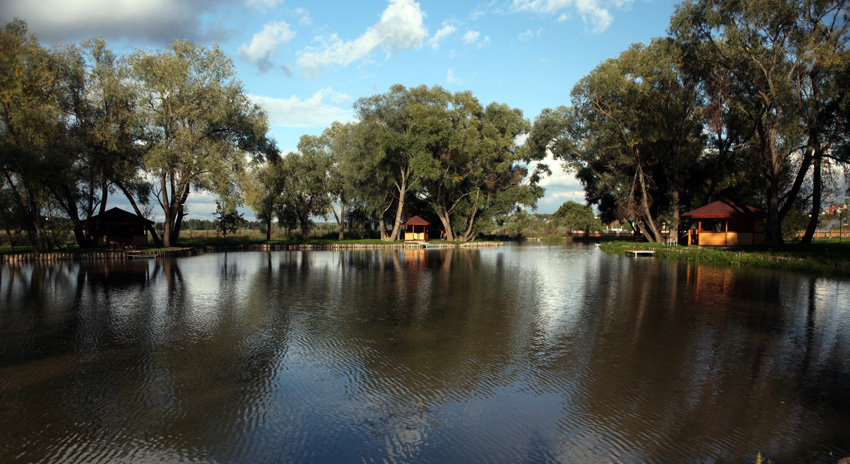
pixel 116 228
pixel 725 223
pixel 836 208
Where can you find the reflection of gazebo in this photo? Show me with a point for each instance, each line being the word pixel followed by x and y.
pixel 118 228
pixel 725 223
pixel 416 228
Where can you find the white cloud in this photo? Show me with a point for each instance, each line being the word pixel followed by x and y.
pixel 303 16
pixel 401 27
pixel 594 12
pixel 264 43
pixel 265 3
pixel 471 37
pixel 312 112
pixel 451 79
pixel 338 98
pixel 560 187
pixel 520 139
pixel 158 21
pixel 529 34
pixel 444 32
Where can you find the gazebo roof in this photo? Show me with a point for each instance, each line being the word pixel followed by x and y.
pixel 723 209
pixel 119 216
pixel 417 221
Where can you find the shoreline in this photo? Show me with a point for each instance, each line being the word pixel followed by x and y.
pixel 122 255
pixel 815 262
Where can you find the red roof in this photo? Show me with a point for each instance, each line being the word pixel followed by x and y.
pixel 723 209
pixel 417 221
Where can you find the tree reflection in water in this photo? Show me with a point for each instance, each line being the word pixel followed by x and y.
pixel 526 353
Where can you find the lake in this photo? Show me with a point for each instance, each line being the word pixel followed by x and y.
pixel 526 353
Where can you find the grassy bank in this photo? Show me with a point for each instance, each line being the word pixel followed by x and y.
pixel 201 242
pixel 827 257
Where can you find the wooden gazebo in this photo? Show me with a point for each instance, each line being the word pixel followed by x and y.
pixel 725 223
pixel 116 228
pixel 416 229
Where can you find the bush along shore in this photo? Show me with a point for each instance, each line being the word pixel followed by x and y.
pixel 219 246
pixel 826 257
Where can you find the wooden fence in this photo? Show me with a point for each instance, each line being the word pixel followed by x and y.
pixel 829 233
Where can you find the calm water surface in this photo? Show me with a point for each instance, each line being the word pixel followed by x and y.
pixel 518 354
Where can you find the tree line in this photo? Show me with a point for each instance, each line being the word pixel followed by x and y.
pixel 746 100
pixel 79 123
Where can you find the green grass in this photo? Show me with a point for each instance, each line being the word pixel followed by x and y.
pixel 825 257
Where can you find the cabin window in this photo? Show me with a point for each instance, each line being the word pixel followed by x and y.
pixel 714 225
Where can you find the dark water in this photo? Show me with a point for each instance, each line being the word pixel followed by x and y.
pixel 520 354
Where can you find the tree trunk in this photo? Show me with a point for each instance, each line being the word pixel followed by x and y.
pixel 341 220
pixel 468 235
pixel 817 192
pixel 447 224
pixel 773 228
pixel 402 191
pixel 649 221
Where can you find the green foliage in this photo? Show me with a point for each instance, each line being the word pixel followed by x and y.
pixel 573 215
pixel 632 135
pixel 771 75
pixel 795 222
pixel 227 221
pixel 448 150
pixel 199 125
pixel 304 196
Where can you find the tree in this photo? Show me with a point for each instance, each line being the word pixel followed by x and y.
pixel 399 151
pixel 31 125
pixel 632 135
pixel 304 195
pixel 335 152
pixel 576 216
pixel 199 124
pixel 775 64
pixel 263 186
pixel 448 151
pixel 227 221
pixel 100 153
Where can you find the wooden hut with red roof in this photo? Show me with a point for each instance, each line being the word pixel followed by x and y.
pixel 416 229
pixel 725 223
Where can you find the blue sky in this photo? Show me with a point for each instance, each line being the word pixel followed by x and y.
pixel 308 62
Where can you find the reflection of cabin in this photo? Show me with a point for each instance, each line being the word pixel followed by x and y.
pixel 725 223
pixel 416 228
pixel 116 228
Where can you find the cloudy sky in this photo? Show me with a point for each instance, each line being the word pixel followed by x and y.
pixel 307 62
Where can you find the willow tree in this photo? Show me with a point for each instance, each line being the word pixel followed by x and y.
pixel 778 61
pixel 477 171
pixel 100 154
pixel 399 152
pixel 31 127
pixel 199 126
pixel 263 185
pixel 632 134
pixel 335 153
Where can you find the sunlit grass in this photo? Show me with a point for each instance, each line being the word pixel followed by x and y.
pixel 825 256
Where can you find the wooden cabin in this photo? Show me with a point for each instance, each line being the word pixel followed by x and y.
pixel 725 223
pixel 116 228
pixel 416 229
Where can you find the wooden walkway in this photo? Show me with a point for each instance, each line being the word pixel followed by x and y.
pixel 636 253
